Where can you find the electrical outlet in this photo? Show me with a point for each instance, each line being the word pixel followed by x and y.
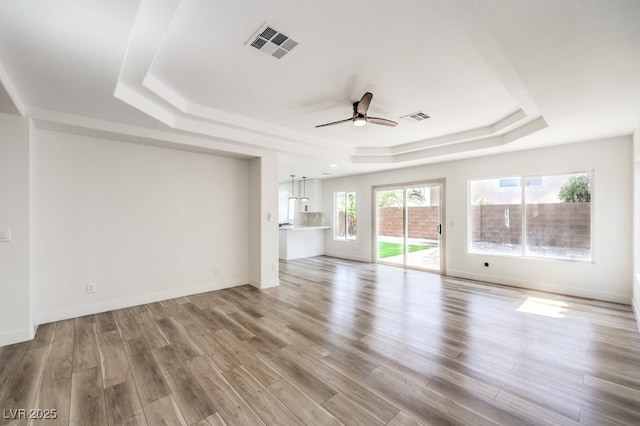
pixel 216 270
pixel 91 288
pixel 5 235
pixel 274 267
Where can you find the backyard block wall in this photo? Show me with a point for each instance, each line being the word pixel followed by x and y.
pixel 423 222
pixel 559 225
pixel 489 223
pixel 553 224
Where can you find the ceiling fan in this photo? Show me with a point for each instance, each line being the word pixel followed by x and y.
pixel 360 117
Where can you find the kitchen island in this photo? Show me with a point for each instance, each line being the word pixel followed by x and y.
pixel 301 241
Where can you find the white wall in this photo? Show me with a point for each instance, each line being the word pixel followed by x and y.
pixel 263 224
pixel 607 278
pixel 16 314
pixel 142 223
pixel 636 225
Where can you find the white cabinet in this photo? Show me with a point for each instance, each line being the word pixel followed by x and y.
pixel 287 209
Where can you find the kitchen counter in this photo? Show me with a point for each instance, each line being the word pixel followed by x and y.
pixel 301 241
pixel 301 228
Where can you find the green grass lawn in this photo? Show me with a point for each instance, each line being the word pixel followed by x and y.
pixel 395 249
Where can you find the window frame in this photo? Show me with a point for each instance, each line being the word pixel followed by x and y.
pixel 523 251
pixel 336 227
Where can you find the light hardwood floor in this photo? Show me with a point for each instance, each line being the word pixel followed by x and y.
pixel 336 342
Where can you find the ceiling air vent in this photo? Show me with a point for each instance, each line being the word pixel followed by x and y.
pixel 415 117
pixel 272 42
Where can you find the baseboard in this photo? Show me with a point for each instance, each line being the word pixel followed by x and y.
pixel 635 300
pixel 347 256
pixel 110 305
pixel 636 312
pixel 547 287
pixel 17 336
pixel 264 284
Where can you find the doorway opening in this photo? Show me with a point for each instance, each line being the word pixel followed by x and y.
pixel 408 221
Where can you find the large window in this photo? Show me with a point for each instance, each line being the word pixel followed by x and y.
pixel 536 216
pixel 345 215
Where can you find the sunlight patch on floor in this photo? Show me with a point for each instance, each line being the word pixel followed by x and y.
pixel 545 307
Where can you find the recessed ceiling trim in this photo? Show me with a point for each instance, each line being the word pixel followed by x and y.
pixel 136 87
pixel 501 125
pixel 462 147
pixel 198 118
pixel 99 128
pixel 14 103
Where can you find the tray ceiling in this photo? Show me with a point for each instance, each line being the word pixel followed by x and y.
pixel 492 75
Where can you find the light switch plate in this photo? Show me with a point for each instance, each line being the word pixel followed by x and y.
pixel 5 235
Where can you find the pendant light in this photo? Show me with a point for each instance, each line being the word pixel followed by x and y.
pixel 304 185
pixel 292 197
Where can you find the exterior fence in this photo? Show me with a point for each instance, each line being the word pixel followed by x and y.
pixel 553 224
pixel 423 222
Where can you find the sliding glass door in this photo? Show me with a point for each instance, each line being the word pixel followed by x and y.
pixel 390 225
pixel 409 225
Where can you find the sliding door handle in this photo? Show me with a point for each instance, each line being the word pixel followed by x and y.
pixel 440 229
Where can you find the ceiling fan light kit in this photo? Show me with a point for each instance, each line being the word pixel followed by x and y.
pixel 360 117
pixel 359 121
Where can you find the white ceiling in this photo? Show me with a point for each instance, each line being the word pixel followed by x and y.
pixel 493 75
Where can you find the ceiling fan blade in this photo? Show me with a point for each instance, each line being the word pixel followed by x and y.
pixel 335 122
pixel 383 121
pixel 363 104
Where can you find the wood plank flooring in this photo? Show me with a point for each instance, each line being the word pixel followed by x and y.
pixel 338 342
